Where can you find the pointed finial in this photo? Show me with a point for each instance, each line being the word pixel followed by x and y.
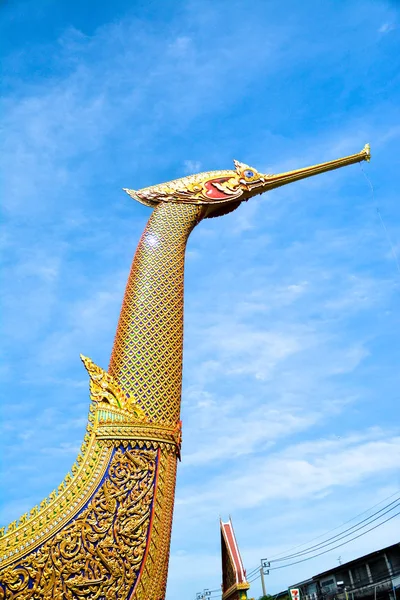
pixel 239 166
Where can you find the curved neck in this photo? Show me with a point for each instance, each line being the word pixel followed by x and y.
pixel 146 359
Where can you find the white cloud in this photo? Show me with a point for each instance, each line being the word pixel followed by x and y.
pixel 386 28
pixel 224 435
pixel 181 46
pixel 309 469
pixel 192 166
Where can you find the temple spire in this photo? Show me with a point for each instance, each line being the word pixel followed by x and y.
pixel 234 582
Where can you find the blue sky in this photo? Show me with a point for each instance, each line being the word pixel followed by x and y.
pixel 291 370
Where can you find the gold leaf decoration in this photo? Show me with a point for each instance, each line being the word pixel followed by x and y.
pixel 104 388
pixel 97 555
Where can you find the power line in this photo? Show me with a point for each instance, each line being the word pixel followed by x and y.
pixel 339 545
pixel 338 527
pixel 254 578
pixel 252 572
pixel 340 536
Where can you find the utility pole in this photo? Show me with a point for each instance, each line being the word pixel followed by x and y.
pixel 264 565
pixel 204 594
pixel 263 582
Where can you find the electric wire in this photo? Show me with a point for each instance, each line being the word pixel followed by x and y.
pixel 252 572
pixel 338 545
pixel 340 535
pixel 351 530
pixel 335 528
pixel 255 577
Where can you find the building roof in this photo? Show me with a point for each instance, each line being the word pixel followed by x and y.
pixel 337 568
pixel 228 536
pixel 355 560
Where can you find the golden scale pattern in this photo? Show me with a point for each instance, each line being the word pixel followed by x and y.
pixel 147 354
pixel 94 545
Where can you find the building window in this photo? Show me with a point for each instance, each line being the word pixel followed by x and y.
pixel 360 574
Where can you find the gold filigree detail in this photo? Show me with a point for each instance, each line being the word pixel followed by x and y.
pixel 99 554
pixel 224 187
pixel 142 432
pixel 58 508
pixel 153 580
pixel 103 388
pixel 29 528
pixel 204 188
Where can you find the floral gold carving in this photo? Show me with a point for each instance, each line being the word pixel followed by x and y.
pixel 97 555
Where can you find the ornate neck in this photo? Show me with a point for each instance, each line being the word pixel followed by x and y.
pixel 146 359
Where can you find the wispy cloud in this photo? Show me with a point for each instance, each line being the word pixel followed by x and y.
pixel 386 28
pixel 291 324
pixel 192 166
pixel 309 468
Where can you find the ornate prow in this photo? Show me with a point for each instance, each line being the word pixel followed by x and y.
pixel 215 188
pixel 274 181
pixel 105 532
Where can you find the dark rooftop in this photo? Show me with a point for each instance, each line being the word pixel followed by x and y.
pixel 355 560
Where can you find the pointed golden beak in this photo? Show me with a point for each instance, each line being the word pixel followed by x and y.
pixel 270 182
